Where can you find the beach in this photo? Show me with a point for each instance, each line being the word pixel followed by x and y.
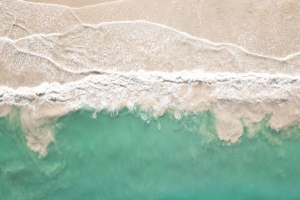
pixel 155 60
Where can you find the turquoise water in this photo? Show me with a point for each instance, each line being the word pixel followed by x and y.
pixel 125 157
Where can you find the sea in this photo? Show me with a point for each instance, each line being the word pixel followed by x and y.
pixel 128 154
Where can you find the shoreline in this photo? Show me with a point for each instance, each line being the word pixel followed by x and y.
pixel 95 57
pixel 229 98
pixel 155 99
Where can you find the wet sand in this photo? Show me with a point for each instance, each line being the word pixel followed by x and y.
pixel 268 28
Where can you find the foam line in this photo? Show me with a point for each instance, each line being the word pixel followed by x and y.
pixel 290 56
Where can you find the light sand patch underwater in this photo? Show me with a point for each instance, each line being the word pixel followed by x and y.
pixel 109 156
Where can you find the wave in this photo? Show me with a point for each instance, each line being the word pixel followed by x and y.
pixel 231 97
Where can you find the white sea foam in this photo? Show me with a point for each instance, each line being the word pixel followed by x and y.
pixel 155 92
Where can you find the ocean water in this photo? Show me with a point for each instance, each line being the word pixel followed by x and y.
pixel 128 155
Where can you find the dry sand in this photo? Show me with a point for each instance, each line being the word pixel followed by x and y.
pixel 237 58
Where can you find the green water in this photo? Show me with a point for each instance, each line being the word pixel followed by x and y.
pixel 124 157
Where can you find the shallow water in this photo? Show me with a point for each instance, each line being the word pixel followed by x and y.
pixel 130 156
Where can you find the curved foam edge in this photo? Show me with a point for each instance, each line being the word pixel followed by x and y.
pixel 141 22
pixel 171 19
